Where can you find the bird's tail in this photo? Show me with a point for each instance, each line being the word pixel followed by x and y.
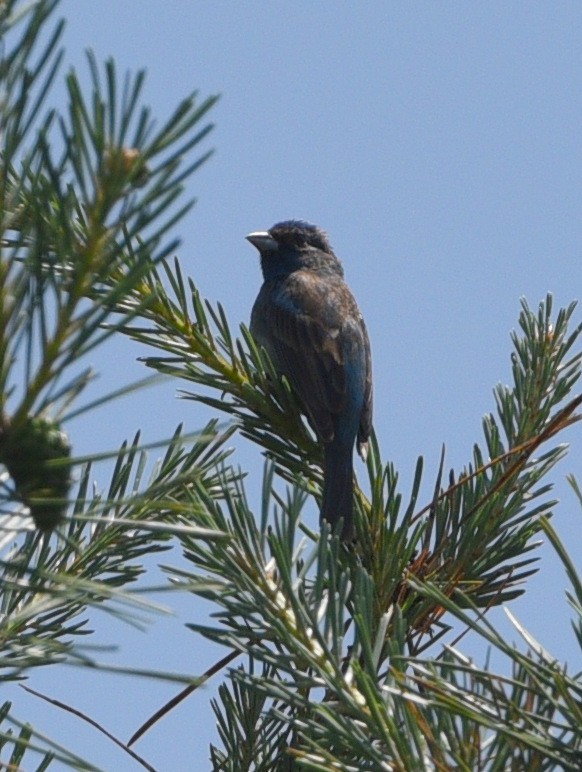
pixel 338 488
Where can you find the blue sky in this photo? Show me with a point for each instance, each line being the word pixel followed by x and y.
pixel 439 144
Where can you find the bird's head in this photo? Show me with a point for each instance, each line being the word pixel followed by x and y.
pixel 291 245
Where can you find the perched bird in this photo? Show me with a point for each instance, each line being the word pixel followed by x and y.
pixel 309 323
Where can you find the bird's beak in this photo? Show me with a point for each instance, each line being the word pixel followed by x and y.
pixel 263 241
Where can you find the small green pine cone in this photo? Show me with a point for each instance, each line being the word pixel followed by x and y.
pixel 25 453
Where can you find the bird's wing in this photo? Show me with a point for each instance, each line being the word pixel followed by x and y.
pixel 305 330
pixel 365 428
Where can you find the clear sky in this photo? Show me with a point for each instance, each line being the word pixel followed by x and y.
pixel 440 145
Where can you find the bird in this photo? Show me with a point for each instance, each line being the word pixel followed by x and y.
pixel 308 321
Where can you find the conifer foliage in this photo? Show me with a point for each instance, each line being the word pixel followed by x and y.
pixel 336 657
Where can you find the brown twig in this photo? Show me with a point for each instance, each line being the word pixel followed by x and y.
pixel 560 421
pixel 181 696
pixel 93 723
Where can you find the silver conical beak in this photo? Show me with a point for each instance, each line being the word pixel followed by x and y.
pixel 263 241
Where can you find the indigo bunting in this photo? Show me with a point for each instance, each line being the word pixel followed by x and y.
pixel 309 323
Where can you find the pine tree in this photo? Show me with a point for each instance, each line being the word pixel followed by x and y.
pixel 335 655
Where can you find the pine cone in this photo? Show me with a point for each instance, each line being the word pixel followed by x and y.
pixel 25 453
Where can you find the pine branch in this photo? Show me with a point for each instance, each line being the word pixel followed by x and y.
pixel 45 589
pixel 474 534
pixel 66 225
pixel 471 542
pixel 67 221
pixel 333 637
